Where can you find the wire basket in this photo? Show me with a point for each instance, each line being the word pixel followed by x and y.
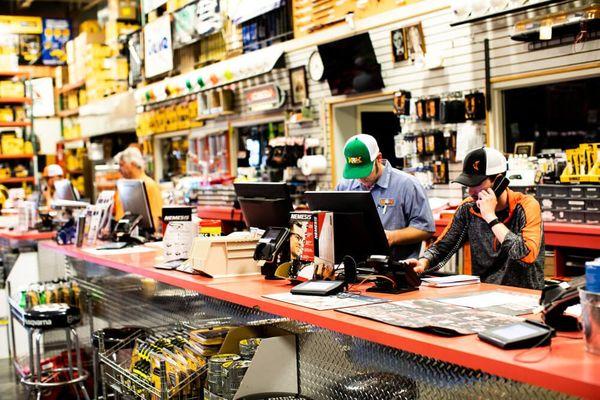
pixel 124 384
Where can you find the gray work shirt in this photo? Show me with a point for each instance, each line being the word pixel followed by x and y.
pixel 401 202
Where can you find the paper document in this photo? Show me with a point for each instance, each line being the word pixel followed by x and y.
pixel 340 300
pixel 112 252
pixel 497 301
pixel 449 281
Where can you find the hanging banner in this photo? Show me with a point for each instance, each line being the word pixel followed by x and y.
pixel 43 97
pixel 18 24
pixel 158 48
pixel 56 34
pixel 241 10
pixel 150 5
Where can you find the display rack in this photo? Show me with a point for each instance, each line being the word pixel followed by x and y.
pixel 25 99
pixel 529 5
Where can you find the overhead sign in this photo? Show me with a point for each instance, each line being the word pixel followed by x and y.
pixel 241 10
pixel 264 97
pixel 158 47
pixel 43 97
pixel 56 34
pixel 18 24
pixel 150 5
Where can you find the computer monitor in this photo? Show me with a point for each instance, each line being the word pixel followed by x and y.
pixel 134 197
pixel 357 228
pixel 64 190
pixel 264 204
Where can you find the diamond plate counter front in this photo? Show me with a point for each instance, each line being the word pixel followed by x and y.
pixel 331 366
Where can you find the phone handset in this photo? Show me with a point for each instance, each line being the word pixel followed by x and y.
pixel 499 186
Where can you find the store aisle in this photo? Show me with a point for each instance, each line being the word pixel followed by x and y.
pixel 9 390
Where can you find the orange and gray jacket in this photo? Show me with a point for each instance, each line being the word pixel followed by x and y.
pixel 518 261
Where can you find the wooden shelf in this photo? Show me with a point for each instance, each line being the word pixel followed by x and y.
pixel 15 156
pixel 14 124
pixel 69 87
pixel 15 100
pixel 75 171
pixel 72 140
pixel 28 179
pixel 12 74
pixel 500 13
pixel 68 113
pixel 213 116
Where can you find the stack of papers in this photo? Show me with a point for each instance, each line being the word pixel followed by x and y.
pixel 448 281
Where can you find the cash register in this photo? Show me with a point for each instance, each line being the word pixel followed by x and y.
pixel 267 206
pixel 136 226
pixel 360 240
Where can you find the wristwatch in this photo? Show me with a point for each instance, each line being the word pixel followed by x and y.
pixel 493 222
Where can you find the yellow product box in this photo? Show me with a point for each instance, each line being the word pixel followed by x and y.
pixel 95 64
pixel 90 26
pixel 97 51
pixel 20 114
pixel 12 145
pixel 82 97
pixel 173 5
pixel 12 89
pixel 122 9
pixel 6 114
pixel 83 40
pixel 72 100
pixel 61 76
pixel 118 67
pixel 70 47
pixel 114 29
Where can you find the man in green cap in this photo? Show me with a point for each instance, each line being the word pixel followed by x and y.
pixel 399 197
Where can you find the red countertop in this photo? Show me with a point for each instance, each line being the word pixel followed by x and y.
pixel 556 234
pixel 568 368
pixel 220 212
pixel 29 235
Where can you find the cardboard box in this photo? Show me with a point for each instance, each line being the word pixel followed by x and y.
pixel 122 9
pixel 311 239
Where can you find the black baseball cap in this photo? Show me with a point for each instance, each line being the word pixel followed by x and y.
pixel 479 164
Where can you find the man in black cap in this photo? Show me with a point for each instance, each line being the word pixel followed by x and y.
pixel 504 230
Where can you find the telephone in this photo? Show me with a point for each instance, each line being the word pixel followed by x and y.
pixel 499 186
pixel 556 299
pixel 125 227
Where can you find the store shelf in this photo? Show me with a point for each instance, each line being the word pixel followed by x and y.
pixel 28 179
pixel 529 6
pixel 70 87
pixel 68 113
pixel 75 171
pixel 12 74
pixel 213 116
pixel 72 140
pixel 15 100
pixel 14 124
pixel 16 156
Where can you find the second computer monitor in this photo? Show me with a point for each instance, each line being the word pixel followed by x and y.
pixel 264 204
pixel 134 197
pixel 357 228
pixel 64 190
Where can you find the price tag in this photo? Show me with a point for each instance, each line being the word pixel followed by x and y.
pixel 546 32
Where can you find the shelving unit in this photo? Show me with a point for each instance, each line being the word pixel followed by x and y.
pixel 27 179
pixel 25 100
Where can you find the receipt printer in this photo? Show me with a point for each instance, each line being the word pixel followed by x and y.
pixel 270 244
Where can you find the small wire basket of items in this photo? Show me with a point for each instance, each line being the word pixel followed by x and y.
pixel 160 363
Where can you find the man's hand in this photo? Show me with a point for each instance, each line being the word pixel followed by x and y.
pixel 419 265
pixel 487 204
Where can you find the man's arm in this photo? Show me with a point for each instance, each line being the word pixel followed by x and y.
pixel 523 246
pixel 408 235
pixel 451 239
pixel 417 215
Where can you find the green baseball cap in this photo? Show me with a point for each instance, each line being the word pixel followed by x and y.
pixel 360 152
